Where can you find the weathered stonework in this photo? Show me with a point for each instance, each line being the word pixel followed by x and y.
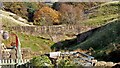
pixel 64 29
pixel 56 32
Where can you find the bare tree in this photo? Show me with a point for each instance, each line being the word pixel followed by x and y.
pixel 71 14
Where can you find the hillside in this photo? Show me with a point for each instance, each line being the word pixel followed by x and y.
pixel 99 31
pixel 103 41
pixel 31 46
pixel 102 14
pixel 11 19
pixel 104 38
pixel 35 44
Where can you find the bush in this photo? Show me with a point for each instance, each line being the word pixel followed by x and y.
pixel 67 63
pixel 42 61
pixel 46 16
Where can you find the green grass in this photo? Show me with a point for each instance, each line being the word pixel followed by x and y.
pixel 100 20
pixel 106 35
pixel 103 37
pixel 102 15
pixel 102 40
pixel 35 43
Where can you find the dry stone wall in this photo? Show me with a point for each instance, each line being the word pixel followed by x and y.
pixel 60 29
pixel 57 32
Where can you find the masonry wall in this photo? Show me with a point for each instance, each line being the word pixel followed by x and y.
pixel 60 29
pixel 56 32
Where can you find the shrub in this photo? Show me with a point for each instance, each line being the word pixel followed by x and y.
pixel 41 61
pixel 46 16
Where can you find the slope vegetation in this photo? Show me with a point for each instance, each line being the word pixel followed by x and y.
pixel 103 41
pixel 102 14
pixel 11 19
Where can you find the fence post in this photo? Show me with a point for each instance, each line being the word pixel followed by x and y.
pixel 12 61
pixel 0 63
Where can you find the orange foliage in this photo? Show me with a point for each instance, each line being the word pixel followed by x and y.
pixel 48 13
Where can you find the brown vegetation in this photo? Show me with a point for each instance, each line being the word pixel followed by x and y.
pixel 48 15
pixel 71 14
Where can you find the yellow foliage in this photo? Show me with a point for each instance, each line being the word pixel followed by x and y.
pixel 47 12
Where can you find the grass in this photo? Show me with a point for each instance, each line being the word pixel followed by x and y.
pixel 102 15
pixel 103 37
pixel 35 43
pixel 102 41
pixel 8 22
pixel 100 20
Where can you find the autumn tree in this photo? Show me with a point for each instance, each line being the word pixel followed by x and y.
pixel 46 16
pixel 71 14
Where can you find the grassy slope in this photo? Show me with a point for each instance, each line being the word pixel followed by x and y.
pixel 103 14
pixel 100 16
pixel 105 36
pixel 35 43
pixel 8 20
pixel 103 40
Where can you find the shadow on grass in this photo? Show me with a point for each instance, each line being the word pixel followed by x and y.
pixel 101 39
pixel 64 45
